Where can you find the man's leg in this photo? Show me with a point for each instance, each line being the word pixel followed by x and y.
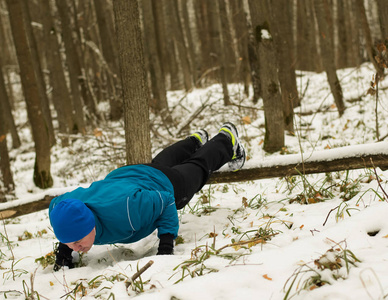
pixel 191 175
pixel 182 150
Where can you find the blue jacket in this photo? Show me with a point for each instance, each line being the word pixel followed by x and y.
pixel 129 204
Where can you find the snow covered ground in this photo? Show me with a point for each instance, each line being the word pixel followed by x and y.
pixel 251 240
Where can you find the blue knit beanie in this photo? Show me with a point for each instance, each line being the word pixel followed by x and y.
pixel 71 220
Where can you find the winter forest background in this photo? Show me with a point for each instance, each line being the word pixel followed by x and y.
pixel 88 86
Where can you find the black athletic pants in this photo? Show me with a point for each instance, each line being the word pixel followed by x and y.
pixel 188 166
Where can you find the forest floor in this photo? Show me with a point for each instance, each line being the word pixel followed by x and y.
pixel 322 236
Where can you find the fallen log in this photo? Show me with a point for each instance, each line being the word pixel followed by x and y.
pixel 338 159
pixel 349 163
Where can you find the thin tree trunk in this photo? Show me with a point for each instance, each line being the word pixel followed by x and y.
pixel 159 93
pixel 272 99
pixel 324 22
pixel 60 93
pixel 383 18
pixel 281 28
pixel 46 114
pixel 217 43
pixel 241 29
pixel 368 37
pixel 133 78
pixel 202 23
pixel 30 83
pixel 189 38
pixel 5 166
pixel 6 111
pixel 227 42
pixel 161 39
pixel 72 64
pixel 181 46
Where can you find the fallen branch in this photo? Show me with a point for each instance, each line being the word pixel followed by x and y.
pixel 258 240
pixel 138 273
pixel 320 164
pixel 293 169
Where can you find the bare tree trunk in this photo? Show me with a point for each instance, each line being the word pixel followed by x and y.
pixel 159 93
pixel 6 43
pixel 324 22
pixel 133 78
pixel 6 111
pixel 241 29
pixel 5 166
pixel 281 32
pixel 36 60
pixel 30 83
pixel 383 16
pixel 368 37
pixel 272 99
pixel 227 42
pixel 171 49
pixel 60 93
pixel 190 41
pixel 217 43
pixel 343 39
pixel 72 64
pixel 109 50
pixel 254 65
pixel 202 23
pixel 307 57
pixel 161 39
pixel 181 46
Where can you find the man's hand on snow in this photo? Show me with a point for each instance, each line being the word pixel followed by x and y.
pixel 63 257
pixel 166 245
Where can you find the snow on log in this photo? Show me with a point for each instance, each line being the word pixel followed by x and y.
pixel 338 159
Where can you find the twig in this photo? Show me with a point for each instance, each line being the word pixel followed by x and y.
pixel 245 242
pixel 331 210
pixel 138 273
pixel 378 179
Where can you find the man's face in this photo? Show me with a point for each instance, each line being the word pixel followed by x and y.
pixel 83 244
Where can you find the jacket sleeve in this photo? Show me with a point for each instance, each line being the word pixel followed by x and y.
pixel 154 210
pixel 168 221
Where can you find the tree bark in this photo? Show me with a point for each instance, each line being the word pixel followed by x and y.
pixel 35 51
pixel 158 87
pixel 60 93
pixel 272 99
pixel 383 18
pixel 217 43
pixel 5 166
pixel 30 83
pixel 181 45
pixel 241 29
pixel 368 37
pixel 282 33
pixel 133 77
pixel 6 111
pixel 72 65
pixel 322 13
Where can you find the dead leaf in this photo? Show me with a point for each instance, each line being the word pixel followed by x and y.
pixel 212 235
pixel 265 276
pixel 245 202
pixel 97 132
pixel 2 138
pixel 247 120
